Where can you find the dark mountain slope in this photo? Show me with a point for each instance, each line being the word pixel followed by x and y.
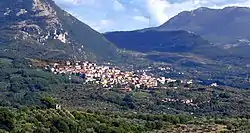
pixel 174 47
pixel 220 26
pixel 159 41
pixel 40 29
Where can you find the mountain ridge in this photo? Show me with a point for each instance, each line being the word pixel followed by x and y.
pixel 41 29
pixel 221 26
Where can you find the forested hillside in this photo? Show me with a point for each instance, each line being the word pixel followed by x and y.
pixel 29 97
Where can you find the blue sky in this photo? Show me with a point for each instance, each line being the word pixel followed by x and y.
pixel 117 15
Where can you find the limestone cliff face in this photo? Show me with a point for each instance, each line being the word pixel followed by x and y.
pixel 37 20
pixel 42 26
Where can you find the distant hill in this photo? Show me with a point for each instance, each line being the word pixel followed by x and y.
pixel 175 47
pixel 220 26
pixel 40 29
pixel 158 41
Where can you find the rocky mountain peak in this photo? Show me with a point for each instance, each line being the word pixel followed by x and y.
pixel 45 9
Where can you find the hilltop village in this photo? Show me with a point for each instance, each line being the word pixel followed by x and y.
pixel 109 77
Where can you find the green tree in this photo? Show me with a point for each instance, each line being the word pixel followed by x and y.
pixel 61 125
pixel 48 102
pixel 6 119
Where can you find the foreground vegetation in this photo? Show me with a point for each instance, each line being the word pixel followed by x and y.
pixel 48 120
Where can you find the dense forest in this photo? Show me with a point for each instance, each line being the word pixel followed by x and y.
pixel 47 120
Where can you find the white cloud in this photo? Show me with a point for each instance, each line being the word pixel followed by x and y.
pixel 106 15
pixel 157 10
pixel 140 18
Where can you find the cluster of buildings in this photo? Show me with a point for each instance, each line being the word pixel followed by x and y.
pixel 188 102
pixel 184 101
pixel 107 76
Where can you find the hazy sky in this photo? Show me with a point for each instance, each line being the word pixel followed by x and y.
pixel 110 15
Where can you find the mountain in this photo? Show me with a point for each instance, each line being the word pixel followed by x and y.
pixel 159 41
pixel 220 26
pixel 40 29
pixel 174 47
